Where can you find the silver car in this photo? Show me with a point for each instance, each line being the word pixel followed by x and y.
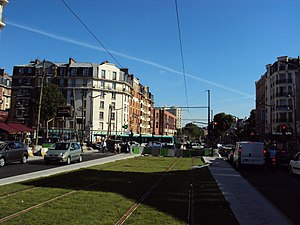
pixel 66 152
pixel 294 166
pixel 12 151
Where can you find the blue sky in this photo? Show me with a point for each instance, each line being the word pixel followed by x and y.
pixel 226 44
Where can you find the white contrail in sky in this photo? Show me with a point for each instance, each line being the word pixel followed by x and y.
pixel 69 40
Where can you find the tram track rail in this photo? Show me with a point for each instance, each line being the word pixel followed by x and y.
pixel 21 212
pixel 129 212
pixel 150 186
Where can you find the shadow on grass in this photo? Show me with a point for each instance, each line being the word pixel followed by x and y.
pixel 171 196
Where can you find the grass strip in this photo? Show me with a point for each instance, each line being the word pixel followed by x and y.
pixel 116 187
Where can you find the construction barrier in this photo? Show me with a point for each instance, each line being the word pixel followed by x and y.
pixel 164 152
pixel 171 152
pixel 186 153
pixel 179 152
pixel 138 150
pixel 155 151
pixel 147 150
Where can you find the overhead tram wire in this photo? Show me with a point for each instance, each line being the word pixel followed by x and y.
pixel 181 53
pixel 85 26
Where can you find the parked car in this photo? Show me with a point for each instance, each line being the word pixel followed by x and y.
pixel 12 151
pixel 64 152
pixel 196 146
pixel 225 149
pixel 294 165
pixel 248 153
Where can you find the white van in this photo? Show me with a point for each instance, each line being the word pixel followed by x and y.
pixel 248 153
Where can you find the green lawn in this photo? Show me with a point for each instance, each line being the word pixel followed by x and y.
pixel 102 194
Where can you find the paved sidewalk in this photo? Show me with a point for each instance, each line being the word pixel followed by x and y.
pixel 248 205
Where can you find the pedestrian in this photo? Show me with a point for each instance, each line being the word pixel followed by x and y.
pixel 117 147
pixel 81 144
pixel 104 146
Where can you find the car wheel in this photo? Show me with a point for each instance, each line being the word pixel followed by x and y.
pixel 2 162
pixel 80 159
pixel 69 160
pixel 24 159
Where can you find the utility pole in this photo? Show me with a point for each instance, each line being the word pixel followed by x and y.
pixel 208 121
pixel 82 114
pixel 40 106
pixel 109 121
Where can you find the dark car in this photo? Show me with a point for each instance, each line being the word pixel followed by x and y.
pixel 272 157
pixel 275 157
pixel 12 151
pixel 224 151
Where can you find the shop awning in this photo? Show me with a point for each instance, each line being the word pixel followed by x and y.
pixel 20 127
pixel 8 129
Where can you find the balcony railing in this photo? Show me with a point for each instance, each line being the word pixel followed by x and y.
pixel 284 81
pixel 282 94
pixel 284 107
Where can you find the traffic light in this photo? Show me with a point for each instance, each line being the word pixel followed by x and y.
pixel 125 126
pixel 215 124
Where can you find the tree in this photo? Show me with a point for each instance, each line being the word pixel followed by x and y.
pixel 250 124
pixel 51 99
pixel 222 122
pixel 192 131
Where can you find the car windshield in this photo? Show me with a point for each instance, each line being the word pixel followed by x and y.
pixel 61 146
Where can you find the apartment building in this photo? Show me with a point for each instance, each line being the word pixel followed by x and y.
pixel 5 95
pixel 263 126
pixel 141 109
pixel 164 122
pixel 178 114
pixel 278 105
pixel 103 98
pixel 2 5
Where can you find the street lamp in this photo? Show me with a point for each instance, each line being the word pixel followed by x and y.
pixel 40 105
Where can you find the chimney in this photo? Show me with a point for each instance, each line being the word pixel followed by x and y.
pixel 125 70
pixel 71 61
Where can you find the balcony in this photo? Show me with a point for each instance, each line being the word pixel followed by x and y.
pixel 282 94
pixel 281 120
pixel 284 107
pixel 284 81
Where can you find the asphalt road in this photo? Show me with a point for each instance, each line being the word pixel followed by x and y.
pixel 37 164
pixel 279 187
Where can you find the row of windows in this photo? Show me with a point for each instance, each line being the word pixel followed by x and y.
pixel 74 71
pixel 104 74
pixel 79 83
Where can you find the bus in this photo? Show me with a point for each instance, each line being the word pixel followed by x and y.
pixel 166 140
